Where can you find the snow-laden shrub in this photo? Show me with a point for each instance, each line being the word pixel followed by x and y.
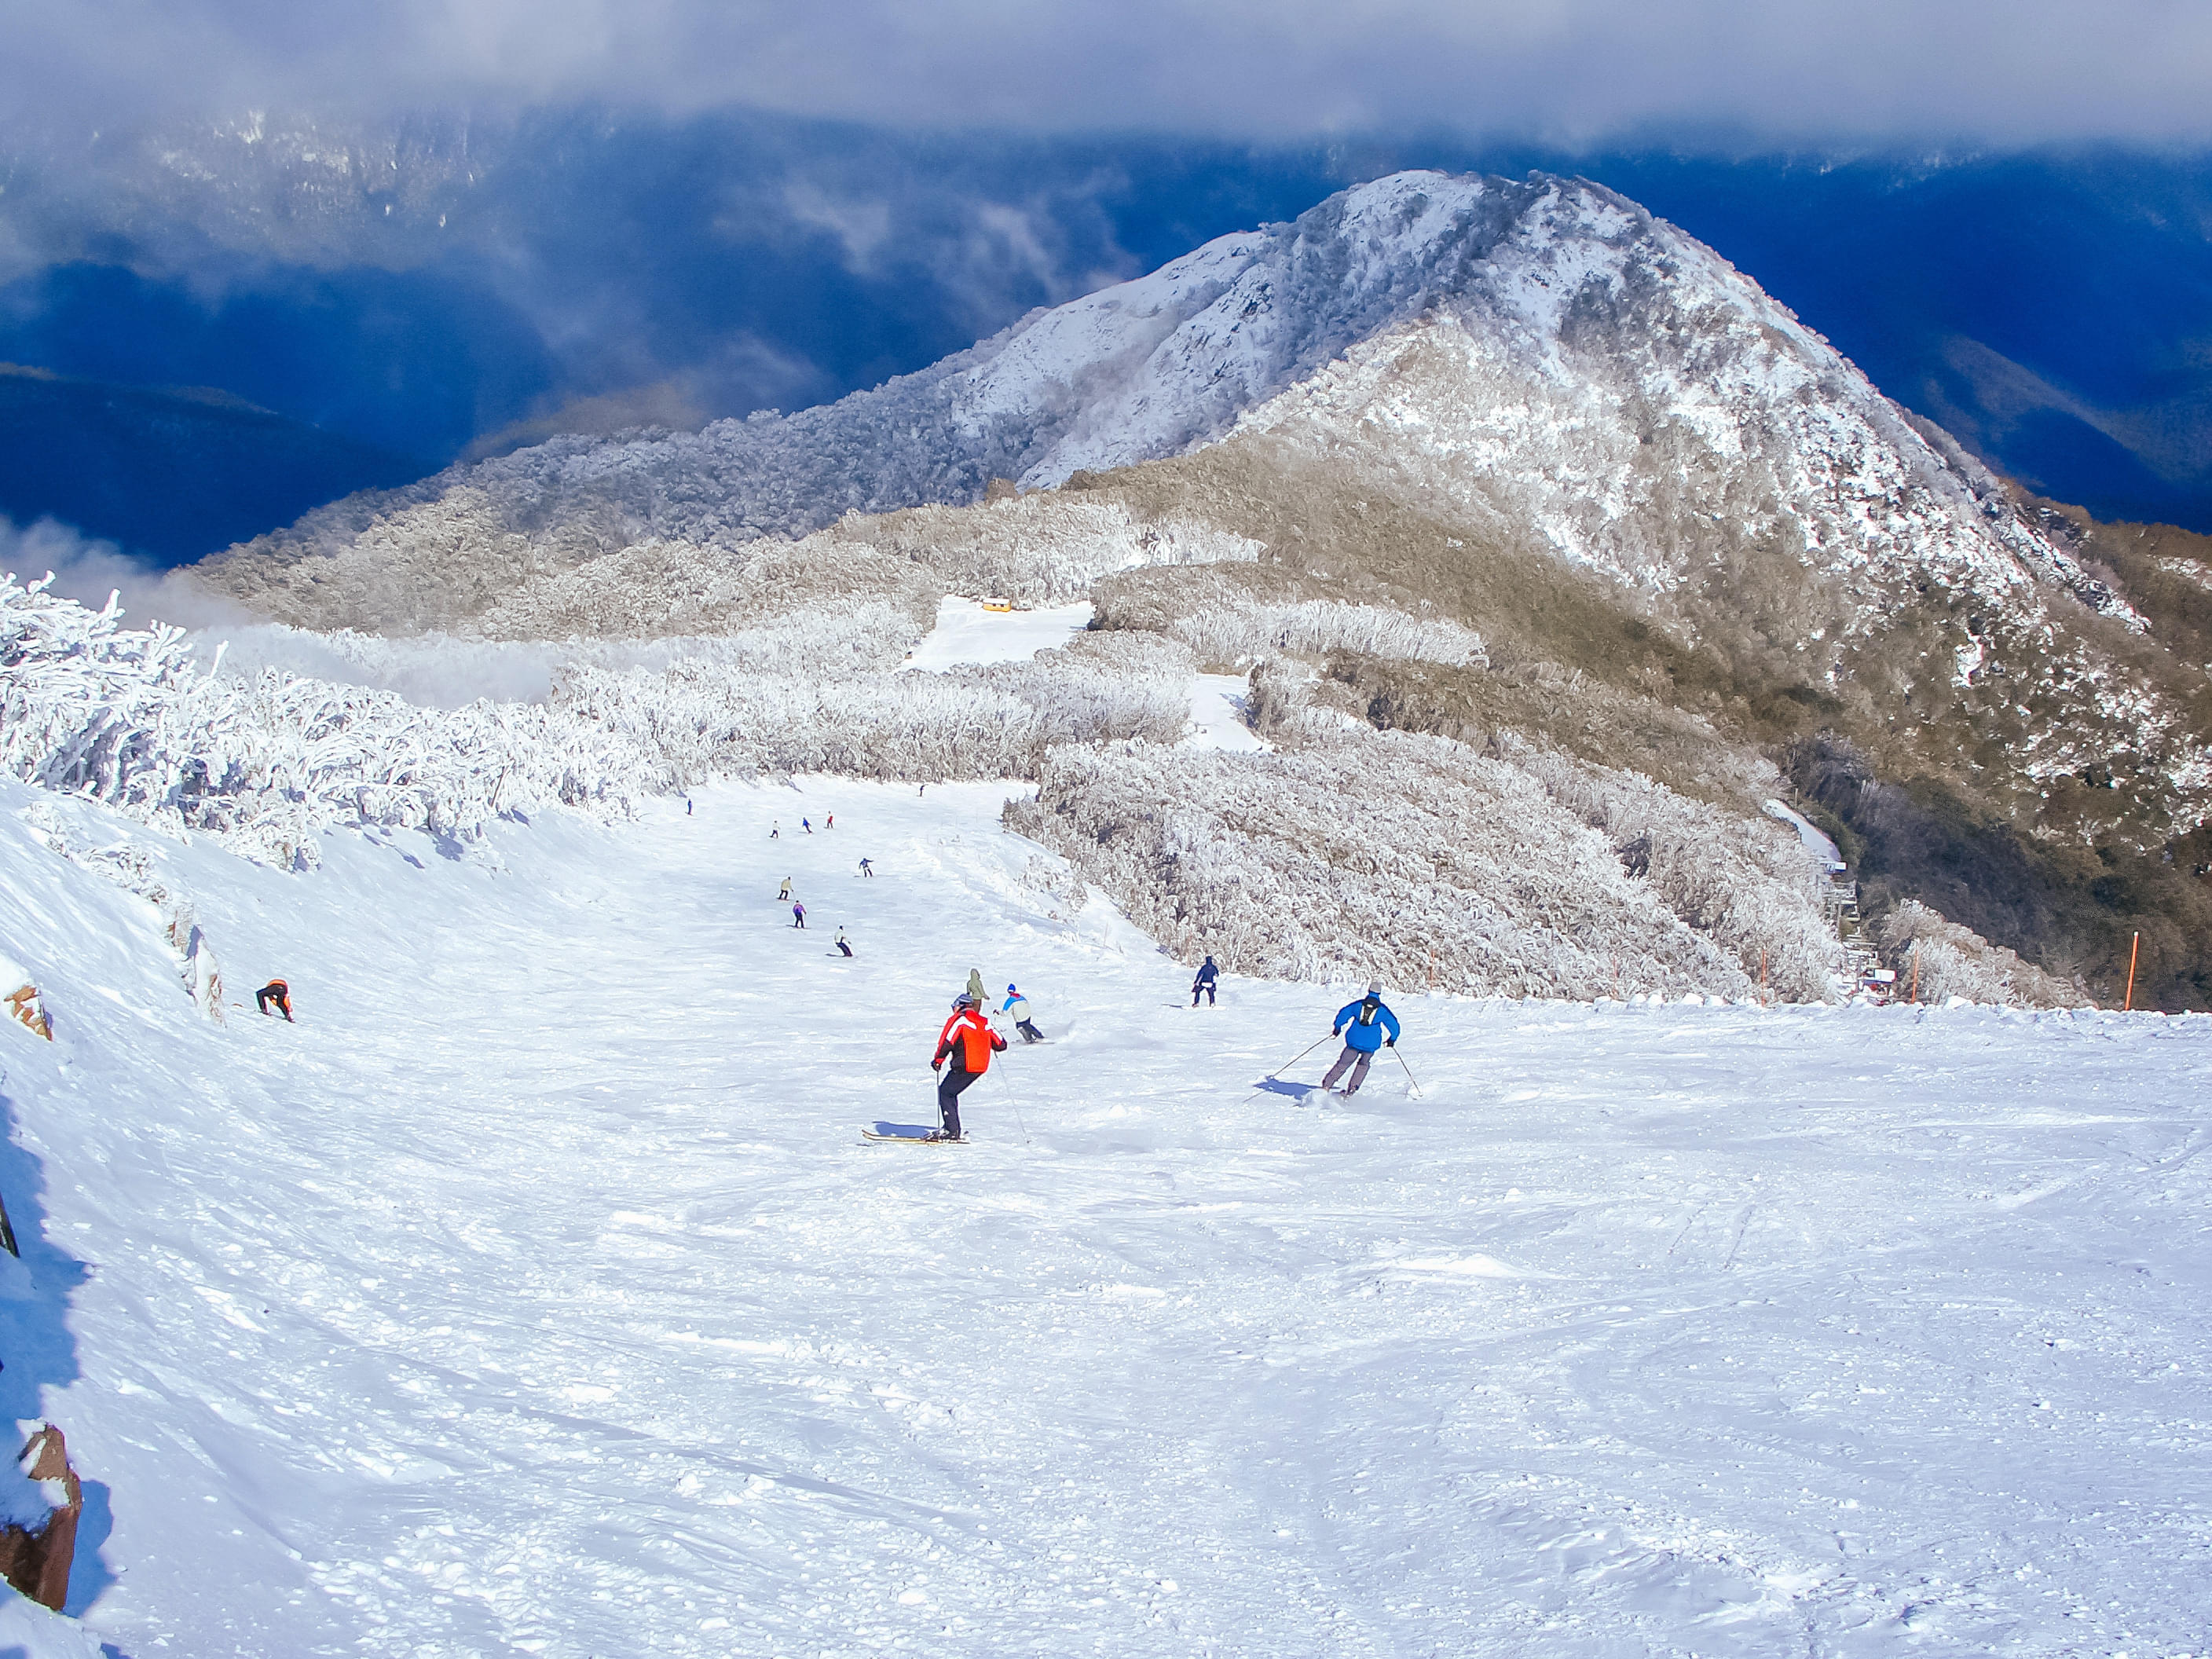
pixel 453 563
pixel 1747 883
pixel 850 599
pixel 448 670
pixel 1381 855
pixel 1957 962
pixel 991 722
pixel 1045 547
pixel 1238 630
pixel 128 717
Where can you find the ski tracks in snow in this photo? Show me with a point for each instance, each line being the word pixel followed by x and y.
pixel 536 1294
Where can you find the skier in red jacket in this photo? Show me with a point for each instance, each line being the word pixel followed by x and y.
pixel 969 1042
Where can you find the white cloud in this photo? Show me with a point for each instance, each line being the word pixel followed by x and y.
pixel 2022 70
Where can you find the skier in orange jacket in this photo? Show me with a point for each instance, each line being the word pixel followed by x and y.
pixel 969 1042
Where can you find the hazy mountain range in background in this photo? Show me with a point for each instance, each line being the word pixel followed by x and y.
pixel 388 298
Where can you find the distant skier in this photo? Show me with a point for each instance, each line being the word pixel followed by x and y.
pixel 807 825
pixel 1207 975
pixel 775 829
pixel 829 823
pixel 1018 1006
pixel 975 991
pixel 798 914
pixel 843 944
pixel 687 806
pixel 1363 1023
pixel 279 993
pixel 783 893
pixel 969 1041
pixel 868 869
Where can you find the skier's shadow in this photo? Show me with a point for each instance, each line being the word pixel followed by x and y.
pixel 905 1131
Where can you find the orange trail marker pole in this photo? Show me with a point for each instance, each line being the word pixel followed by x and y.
pixel 2128 1004
pixel 1762 976
pixel 1914 997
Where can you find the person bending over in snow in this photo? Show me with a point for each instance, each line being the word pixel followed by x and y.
pixel 868 869
pixel 1363 1023
pixel 1207 975
pixel 798 914
pixel 1018 1006
pixel 278 993
pixel 969 1041
pixel 842 943
pixel 807 824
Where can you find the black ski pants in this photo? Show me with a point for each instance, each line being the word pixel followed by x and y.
pixel 1030 1033
pixel 949 1088
pixel 1206 986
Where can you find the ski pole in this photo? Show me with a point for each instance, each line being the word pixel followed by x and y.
pixel 1407 1070
pixel 1014 1101
pixel 1300 1055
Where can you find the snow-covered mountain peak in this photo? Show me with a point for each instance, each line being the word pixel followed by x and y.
pixel 1662 388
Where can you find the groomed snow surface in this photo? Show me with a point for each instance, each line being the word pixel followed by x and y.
pixel 1218 714
pixel 536 1292
pixel 967 634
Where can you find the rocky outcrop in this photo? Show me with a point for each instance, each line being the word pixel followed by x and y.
pixel 36 1557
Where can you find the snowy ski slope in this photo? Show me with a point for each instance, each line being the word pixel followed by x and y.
pixel 536 1293
pixel 967 634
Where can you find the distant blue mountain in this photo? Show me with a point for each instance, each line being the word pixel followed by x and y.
pixel 441 286
pixel 168 473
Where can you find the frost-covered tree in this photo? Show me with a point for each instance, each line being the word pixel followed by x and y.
pixel 1423 861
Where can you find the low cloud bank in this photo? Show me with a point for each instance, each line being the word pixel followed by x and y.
pixel 2019 72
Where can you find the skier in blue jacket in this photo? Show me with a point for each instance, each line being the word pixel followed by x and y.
pixel 1363 1023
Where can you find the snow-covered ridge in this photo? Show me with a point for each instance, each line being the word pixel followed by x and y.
pixel 1555 283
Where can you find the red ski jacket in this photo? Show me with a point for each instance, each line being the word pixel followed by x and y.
pixel 975 1039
